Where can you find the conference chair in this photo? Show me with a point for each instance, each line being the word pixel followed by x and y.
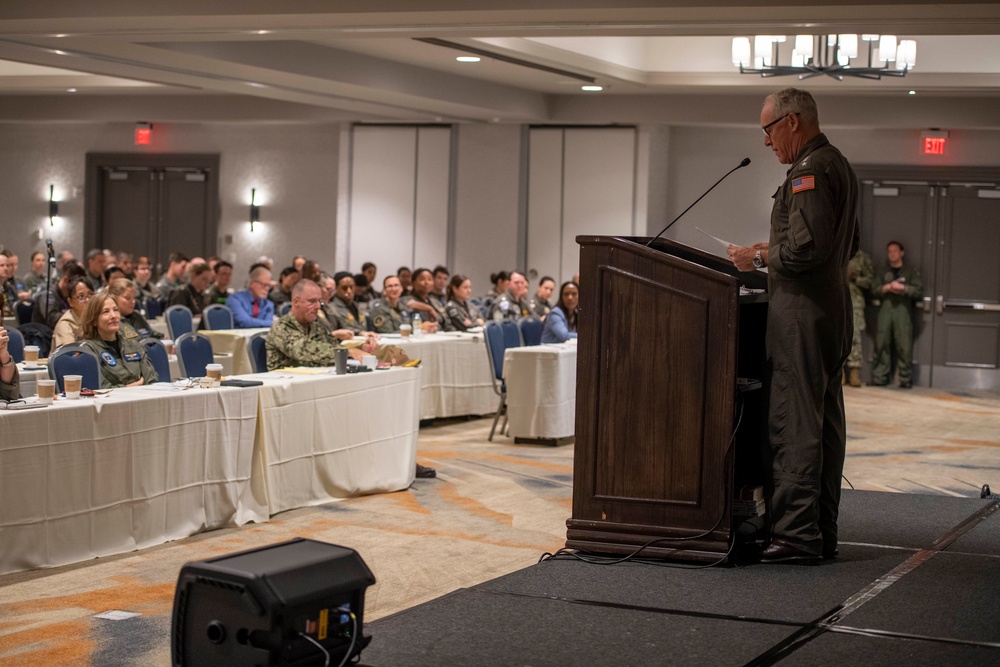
pixel 157 354
pixel 217 316
pixel 194 352
pixel 24 311
pixel 531 330
pixel 75 359
pixel 15 345
pixel 36 333
pixel 153 308
pixel 284 308
pixel 498 339
pixel 258 352
pixel 179 321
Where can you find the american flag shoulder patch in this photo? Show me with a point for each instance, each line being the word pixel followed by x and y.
pixel 803 183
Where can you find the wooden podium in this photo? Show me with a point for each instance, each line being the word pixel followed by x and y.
pixel 664 335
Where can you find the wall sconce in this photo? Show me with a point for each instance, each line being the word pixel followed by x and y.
pixel 254 209
pixel 53 206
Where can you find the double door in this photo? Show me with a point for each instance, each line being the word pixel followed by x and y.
pixel 951 232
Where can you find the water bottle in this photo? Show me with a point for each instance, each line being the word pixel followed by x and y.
pixel 415 321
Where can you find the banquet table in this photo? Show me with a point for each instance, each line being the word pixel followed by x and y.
pixel 323 437
pixel 126 470
pixel 541 391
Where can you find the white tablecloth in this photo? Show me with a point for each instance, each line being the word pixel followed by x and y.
pixel 456 378
pixel 128 470
pixel 325 437
pixel 234 342
pixel 541 390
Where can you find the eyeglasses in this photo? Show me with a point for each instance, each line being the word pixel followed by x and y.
pixel 767 128
pixel 82 297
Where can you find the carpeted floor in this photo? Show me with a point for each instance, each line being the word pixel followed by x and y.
pixel 494 508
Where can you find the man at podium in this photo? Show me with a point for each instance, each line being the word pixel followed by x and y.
pixel 814 234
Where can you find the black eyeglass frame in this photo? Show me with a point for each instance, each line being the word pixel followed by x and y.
pixel 767 128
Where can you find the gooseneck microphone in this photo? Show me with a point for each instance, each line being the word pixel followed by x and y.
pixel 742 164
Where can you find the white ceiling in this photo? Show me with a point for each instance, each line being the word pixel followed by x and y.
pixel 309 60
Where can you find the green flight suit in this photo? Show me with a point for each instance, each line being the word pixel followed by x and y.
pixel 141 326
pixel 124 363
pixel 441 317
pixel 860 274
pixel 290 344
pixel 895 325
pixel 347 316
pixel 814 234
pixel 387 318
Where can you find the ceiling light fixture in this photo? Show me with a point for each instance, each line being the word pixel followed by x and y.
pixel 592 89
pixel 468 59
pixel 834 56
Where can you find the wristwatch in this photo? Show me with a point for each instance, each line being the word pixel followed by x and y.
pixel 758 260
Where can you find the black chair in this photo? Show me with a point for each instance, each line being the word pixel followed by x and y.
pixel 35 333
pixel 258 352
pixel 15 345
pixel 217 316
pixel 194 353
pixel 179 321
pixel 157 354
pixel 24 311
pixel 531 330
pixel 75 359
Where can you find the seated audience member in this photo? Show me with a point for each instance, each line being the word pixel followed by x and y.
pixel 311 271
pixel 297 339
pixel 251 307
pixel 69 328
pixel 173 278
pixel 363 294
pixel 144 287
pixel 124 293
pixel 542 306
pixel 388 313
pixel 23 294
pixel 10 295
pixel 57 301
pixel 192 295
pixel 10 381
pixel 97 261
pixel 35 279
pixel 512 304
pixel 126 262
pixel 405 279
pixel 122 357
pixel 370 271
pixel 299 263
pixel 439 292
pixel 419 301
pixel 112 273
pixel 344 309
pixel 220 290
pixel 499 280
pixel 283 291
pixel 560 325
pixel 457 309
pixel 328 289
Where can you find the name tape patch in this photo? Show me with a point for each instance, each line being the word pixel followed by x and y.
pixel 803 183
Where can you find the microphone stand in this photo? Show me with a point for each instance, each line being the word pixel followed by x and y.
pixel 48 278
pixel 742 164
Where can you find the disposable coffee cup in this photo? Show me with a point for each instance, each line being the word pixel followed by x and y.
pixel 46 391
pixel 71 383
pixel 370 361
pixel 405 329
pixel 31 354
pixel 340 358
pixel 214 371
pixel 169 344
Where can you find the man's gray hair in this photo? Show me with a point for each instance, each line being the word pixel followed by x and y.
pixel 257 274
pixel 302 286
pixel 793 100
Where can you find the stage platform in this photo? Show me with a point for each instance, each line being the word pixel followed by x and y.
pixel 917 583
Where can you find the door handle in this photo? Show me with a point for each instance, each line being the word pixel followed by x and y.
pixel 925 305
pixel 989 307
pixel 940 304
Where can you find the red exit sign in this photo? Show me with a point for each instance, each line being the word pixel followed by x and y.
pixel 934 145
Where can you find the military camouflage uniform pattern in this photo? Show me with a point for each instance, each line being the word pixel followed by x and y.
pixel 895 325
pixel 121 369
pixel 288 343
pixel 860 275
pixel 386 318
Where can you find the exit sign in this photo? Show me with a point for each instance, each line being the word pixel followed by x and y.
pixel 934 145
pixel 143 134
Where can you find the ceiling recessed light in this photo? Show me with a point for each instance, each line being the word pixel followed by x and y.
pixel 71 90
pixel 468 59
pixel 592 89
pixel 912 92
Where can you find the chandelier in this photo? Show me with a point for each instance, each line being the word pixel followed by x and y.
pixel 835 56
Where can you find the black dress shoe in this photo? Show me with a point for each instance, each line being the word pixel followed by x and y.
pixel 780 551
pixel 830 554
pixel 424 472
pixel 906 385
pixel 878 383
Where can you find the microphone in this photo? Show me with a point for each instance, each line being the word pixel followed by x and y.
pixel 742 164
pixel 52 253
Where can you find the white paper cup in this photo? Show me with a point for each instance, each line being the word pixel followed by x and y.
pixel 370 361
pixel 31 354
pixel 169 344
pixel 46 390
pixel 405 329
pixel 205 382
pixel 213 371
pixel 71 383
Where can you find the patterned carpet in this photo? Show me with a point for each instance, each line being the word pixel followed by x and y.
pixel 494 508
